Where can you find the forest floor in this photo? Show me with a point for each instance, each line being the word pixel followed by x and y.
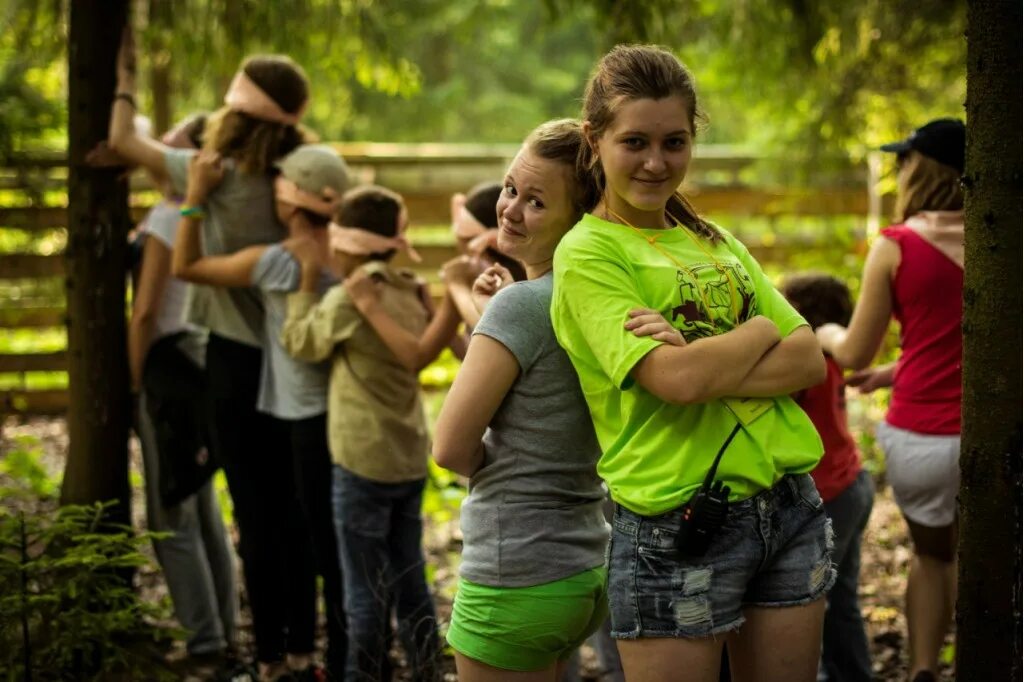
pixel 885 558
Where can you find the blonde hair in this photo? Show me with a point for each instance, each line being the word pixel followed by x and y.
pixel 561 141
pixel 253 143
pixel 924 184
pixel 626 74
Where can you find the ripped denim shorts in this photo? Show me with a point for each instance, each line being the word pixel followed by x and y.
pixel 774 550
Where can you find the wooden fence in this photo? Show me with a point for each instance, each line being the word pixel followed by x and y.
pixel 33 206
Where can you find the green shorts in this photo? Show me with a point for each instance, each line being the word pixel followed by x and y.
pixel 527 628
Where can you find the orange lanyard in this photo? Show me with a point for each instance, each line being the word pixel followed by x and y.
pixel 653 241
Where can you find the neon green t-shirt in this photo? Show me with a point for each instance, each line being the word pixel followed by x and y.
pixel 656 454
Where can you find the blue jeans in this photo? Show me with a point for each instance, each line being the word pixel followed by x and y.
pixel 845 656
pixel 380 534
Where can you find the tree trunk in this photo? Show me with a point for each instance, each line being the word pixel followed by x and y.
pixel 989 606
pixel 161 27
pixel 96 255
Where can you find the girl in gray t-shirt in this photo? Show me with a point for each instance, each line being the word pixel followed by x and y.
pixel 515 422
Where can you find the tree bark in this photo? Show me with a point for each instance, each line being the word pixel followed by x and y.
pixel 96 258
pixel 989 606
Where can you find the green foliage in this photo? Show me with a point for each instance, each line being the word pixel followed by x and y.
pixel 815 78
pixel 64 582
pixel 441 372
pixel 812 79
pixel 32 104
pixel 22 468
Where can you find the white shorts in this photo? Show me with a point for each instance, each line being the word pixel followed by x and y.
pixel 924 472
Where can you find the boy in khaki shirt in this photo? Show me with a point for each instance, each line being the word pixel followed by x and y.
pixel 376 428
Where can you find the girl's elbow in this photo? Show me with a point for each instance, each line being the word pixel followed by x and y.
pixel 115 140
pixel 851 360
pixel 452 456
pixel 816 370
pixel 120 141
pixel 143 318
pixel 445 458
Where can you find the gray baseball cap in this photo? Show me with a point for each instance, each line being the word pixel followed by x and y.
pixel 316 168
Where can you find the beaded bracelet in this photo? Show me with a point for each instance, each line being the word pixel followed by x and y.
pixel 187 211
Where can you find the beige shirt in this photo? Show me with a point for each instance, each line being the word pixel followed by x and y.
pixel 376 425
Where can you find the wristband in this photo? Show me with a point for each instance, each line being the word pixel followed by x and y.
pixel 127 97
pixel 187 211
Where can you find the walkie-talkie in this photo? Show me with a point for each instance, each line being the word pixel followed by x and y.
pixel 706 511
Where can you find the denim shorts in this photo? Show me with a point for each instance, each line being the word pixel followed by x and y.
pixel 774 550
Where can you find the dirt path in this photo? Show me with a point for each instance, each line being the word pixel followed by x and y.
pixel 886 553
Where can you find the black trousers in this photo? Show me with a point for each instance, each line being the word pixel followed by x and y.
pixel 255 451
pixel 311 459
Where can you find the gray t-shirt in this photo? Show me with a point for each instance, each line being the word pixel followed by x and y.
pixel 289 388
pixel 239 213
pixel 533 513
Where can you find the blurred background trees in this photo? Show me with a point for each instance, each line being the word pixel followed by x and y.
pixel 808 78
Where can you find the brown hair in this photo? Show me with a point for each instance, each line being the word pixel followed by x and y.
pixel 629 73
pixel 194 127
pixel 819 298
pixel 255 143
pixel 924 184
pixel 372 208
pixel 562 141
pixel 481 202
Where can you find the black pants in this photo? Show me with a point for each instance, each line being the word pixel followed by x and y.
pixel 255 451
pixel 311 459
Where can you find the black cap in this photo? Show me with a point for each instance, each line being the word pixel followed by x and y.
pixel 941 140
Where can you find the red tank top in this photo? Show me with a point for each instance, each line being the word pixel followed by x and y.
pixel 825 404
pixel 927 299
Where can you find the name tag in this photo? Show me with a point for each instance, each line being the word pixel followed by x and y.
pixel 746 410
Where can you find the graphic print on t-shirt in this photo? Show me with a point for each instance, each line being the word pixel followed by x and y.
pixel 706 303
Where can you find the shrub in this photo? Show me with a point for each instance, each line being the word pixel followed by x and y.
pixel 68 610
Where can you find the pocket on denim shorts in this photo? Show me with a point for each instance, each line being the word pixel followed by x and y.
pixel 807 492
pixel 658 561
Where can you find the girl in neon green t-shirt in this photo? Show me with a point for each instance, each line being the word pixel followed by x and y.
pixel 662 412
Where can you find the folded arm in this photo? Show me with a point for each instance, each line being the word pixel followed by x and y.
pixel 708 368
pixel 794 363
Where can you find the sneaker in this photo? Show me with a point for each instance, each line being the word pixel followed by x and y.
pixel 925 676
